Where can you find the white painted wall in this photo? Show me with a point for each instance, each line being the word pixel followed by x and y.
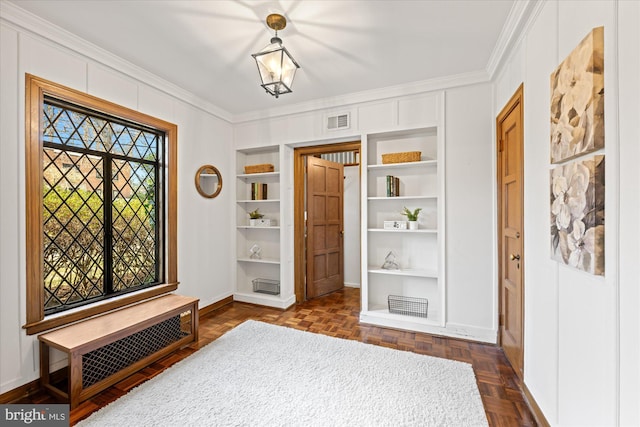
pixel 203 231
pixel 352 226
pixel 581 331
pixel 471 290
pixel 629 295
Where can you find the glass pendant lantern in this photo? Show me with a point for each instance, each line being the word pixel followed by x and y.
pixel 276 66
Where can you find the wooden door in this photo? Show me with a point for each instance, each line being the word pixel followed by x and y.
pixel 510 207
pixel 325 229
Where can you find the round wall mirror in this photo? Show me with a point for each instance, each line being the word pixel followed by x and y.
pixel 208 181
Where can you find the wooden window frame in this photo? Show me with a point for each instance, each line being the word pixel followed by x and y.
pixel 35 90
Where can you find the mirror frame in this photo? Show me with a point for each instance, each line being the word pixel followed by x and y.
pixel 211 170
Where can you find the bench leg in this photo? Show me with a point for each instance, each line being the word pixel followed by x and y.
pixel 44 364
pixel 75 379
pixel 194 322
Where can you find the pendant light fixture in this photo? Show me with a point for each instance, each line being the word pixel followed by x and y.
pixel 276 66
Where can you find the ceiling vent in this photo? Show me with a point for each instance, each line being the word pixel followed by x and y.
pixel 340 121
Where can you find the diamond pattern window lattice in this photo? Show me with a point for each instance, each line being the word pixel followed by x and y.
pixel 71 128
pixel 94 225
pixel 134 237
pixel 73 227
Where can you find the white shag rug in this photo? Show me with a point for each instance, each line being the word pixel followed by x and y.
pixel 264 375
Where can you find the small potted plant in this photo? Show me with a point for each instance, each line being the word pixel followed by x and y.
pixel 254 216
pixel 412 216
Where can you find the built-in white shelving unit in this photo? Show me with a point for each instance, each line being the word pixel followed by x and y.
pixel 384 230
pixel 267 238
pixel 419 253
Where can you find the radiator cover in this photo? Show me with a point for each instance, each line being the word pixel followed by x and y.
pixel 105 361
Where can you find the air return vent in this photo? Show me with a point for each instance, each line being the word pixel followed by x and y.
pixel 340 121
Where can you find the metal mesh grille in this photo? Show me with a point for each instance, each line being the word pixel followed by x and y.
pixel 105 361
pixel 409 306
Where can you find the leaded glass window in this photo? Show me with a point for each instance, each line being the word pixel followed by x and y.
pixel 102 222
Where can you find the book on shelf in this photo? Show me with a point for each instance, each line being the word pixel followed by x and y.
pixel 393 186
pixel 258 191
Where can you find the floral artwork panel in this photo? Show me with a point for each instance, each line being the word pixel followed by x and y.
pixel 577 100
pixel 577 214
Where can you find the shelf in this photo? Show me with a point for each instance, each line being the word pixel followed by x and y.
pixel 258 175
pixel 267 237
pixel 260 295
pixel 259 261
pixel 421 185
pixel 256 297
pixel 258 201
pixel 411 272
pixel 419 231
pixel 402 198
pixel 423 163
pixel 383 312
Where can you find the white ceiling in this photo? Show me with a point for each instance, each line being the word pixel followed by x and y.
pixel 342 46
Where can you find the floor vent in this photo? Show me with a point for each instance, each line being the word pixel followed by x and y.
pixel 340 121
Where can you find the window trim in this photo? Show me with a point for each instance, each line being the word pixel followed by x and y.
pixel 35 90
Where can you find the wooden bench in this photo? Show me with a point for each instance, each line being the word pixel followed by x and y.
pixel 105 349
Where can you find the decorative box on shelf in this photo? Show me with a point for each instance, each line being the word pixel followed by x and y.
pixel 395 225
pixel 409 306
pixel 407 156
pixel 266 286
pixel 261 168
pixel 262 222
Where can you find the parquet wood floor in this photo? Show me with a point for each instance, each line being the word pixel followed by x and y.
pixel 337 315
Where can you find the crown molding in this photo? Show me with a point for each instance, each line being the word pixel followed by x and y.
pixel 21 19
pixel 26 21
pixel 373 95
pixel 520 18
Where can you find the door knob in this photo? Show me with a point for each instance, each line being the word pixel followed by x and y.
pixel 514 257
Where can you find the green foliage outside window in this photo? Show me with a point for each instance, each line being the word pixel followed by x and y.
pixel 101 230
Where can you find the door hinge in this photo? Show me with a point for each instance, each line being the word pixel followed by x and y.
pixel 501 146
pixel 501 320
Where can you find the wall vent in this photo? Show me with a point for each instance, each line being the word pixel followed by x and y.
pixel 340 121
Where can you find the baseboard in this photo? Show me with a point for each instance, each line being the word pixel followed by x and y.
pixel 541 420
pixel 451 330
pixel 470 332
pixel 30 388
pixel 351 285
pixel 20 392
pixel 216 305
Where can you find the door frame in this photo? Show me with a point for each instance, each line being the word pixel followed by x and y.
pixel 299 241
pixel 516 99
